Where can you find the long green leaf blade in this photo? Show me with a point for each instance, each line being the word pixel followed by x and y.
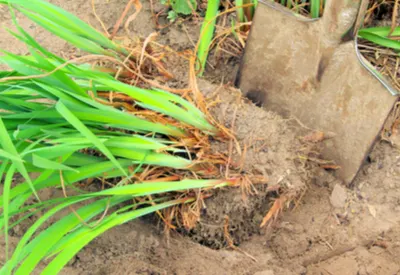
pixel 69 116
pixel 7 144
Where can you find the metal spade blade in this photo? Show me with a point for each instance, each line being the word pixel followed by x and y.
pixel 311 70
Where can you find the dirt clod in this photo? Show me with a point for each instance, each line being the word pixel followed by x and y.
pixel 338 197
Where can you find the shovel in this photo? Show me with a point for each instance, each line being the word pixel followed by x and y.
pixel 311 69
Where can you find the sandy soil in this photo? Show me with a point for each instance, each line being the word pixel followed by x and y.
pixel 334 230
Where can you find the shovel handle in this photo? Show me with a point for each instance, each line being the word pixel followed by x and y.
pixel 340 16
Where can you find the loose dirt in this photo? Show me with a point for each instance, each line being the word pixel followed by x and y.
pixel 360 236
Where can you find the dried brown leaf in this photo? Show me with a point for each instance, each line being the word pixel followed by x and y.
pixel 315 137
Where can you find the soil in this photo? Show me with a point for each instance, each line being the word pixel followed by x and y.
pixel 333 229
pixel 268 151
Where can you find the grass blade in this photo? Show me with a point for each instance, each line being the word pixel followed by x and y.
pixel 380 40
pixel 6 192
pixel 8 146
pixel 65 256
pixel 7 155
pixel 207 33
pixel 69 116
pixel 315 5
pixel 48 164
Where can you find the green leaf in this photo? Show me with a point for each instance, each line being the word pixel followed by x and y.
pixel 64 19
pixel 6 193
pixel 149 157
pixel 143 189
pixel 8 146
pixel 71 118
pixel 382 31
pixel 47 240
pixel 104 169
pixel 239 11
pixel 172 16
pixel 377 36
pixel 315 5
pixel 65 255
pixel 7 155
pixel 40 246
pixel 48 164
pixel 207 32
pixel 184 6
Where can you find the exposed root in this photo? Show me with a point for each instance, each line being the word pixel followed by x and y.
pixel 138 7
pixel 280 204
pixel 99 19
pixel 274 211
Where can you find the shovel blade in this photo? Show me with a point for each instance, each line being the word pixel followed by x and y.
pixel 287 68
